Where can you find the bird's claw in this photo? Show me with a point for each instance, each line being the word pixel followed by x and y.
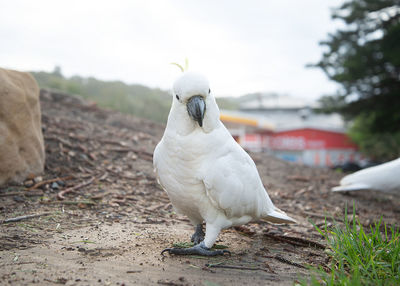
pixel 195 250
pixel 167 249
pixel 226 251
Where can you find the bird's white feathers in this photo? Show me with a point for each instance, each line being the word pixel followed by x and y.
pixel 179 122
pixel 189 84
pixel 206 174
pixel 384 177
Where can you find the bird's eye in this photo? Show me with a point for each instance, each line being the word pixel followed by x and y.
pixel 209 91
pixel 177 96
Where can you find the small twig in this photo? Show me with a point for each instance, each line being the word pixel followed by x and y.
pixel 298 178
pixel 269 268
pixel 128 177
pixel 117 202
pixel 58 281
pixel 61 194
pixel 306 242
pixel 59 139
pixel 116 149
pixel 34 193
pixel 19 218
pixel 49 181
pixel 145 155
pixel 155 207
pixel 234 267
pixel 18 263
pixel 282 239
pixel 30 194
pixel 244 230
pixel 11 194
pixel 321 216
pixel 108 141
pixel 89 203
pixel 133 271
pixel 296 241
pixel 103 176
pixel 166 282
pixel 284 260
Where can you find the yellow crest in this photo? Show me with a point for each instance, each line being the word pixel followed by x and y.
pixel 183 69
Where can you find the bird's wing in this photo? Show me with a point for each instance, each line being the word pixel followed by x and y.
pixel 157 160
pixel 233 184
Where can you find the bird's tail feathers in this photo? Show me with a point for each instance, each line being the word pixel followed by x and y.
pixel 351 187
pixel 278 216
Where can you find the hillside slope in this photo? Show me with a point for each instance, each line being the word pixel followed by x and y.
pixel 134 99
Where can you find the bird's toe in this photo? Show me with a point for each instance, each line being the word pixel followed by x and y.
pixel 197 238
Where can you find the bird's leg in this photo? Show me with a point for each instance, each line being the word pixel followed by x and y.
pixel 202 248
pixel 198 235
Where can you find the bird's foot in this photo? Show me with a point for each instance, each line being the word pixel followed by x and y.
pixel 198 235
pixel 198 249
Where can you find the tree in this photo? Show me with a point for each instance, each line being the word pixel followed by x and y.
pixel 57 71
pixel 364 58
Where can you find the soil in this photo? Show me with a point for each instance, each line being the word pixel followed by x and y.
pixel 103 220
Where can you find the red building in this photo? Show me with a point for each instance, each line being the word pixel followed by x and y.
pixel 291 131
pixel 311 146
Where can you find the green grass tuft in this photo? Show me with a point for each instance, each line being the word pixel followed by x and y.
pixel 183 244
pixel 358 256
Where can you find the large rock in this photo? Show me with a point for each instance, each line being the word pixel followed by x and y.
pixel 21 139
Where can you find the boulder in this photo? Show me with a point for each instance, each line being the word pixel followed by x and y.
pixel 21 139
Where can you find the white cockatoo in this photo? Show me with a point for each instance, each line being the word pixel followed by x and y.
pixel 384 177
pixel 207 175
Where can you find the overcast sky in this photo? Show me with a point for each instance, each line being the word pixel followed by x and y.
pixel 241 46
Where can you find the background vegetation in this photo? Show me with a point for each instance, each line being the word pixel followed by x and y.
pixel 135 99
pixel 364 58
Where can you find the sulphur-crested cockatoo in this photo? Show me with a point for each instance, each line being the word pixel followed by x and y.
pixel 384 177
pixel 207 175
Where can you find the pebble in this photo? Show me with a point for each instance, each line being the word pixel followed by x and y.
pixel 38 179
pixel 61 183
pixel 84 157
pixel 54 185
pixel 28 183
pixel 18 199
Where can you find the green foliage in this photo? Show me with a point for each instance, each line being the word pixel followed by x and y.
pixel 376 145
pixel 138 100
pixel 183 244
pixel 360 257
pixel 365 59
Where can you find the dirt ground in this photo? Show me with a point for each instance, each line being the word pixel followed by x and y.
pixel 103 220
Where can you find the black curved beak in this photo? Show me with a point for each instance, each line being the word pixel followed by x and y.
pixel 196 108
